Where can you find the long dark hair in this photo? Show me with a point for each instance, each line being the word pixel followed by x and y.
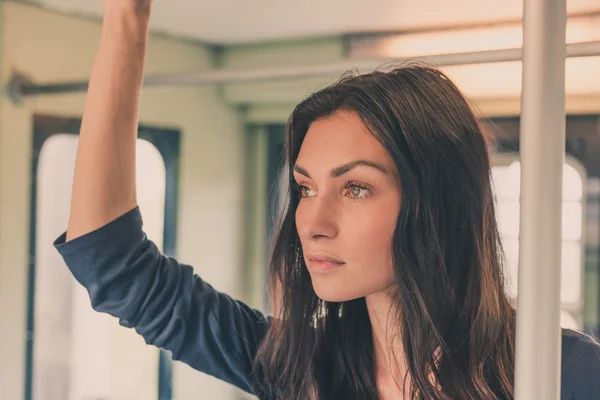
pixel 455 323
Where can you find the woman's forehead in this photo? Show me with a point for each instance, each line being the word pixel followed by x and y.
pixel 341 135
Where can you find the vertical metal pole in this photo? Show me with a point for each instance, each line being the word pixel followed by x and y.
pixel 543 123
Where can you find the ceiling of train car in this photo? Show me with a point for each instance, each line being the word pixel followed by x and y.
pixel 242 21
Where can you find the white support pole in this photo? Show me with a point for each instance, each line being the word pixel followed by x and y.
pixel 538 347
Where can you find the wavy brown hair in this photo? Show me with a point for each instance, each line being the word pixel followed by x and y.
pixel 454 321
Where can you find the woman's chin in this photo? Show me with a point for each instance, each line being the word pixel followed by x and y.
pixel 336 289
pixel 335 293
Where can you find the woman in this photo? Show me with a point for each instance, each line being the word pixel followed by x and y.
pixel 386 267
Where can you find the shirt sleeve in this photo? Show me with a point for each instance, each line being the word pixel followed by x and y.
pixel 127 277
pixel 581 370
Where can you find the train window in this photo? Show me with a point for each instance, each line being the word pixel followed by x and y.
pixel 568 321
pixel 506 176
pixel 77 352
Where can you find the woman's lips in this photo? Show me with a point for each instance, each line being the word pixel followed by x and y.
pixel 322 263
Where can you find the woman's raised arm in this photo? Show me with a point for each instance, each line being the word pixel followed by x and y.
pixel 105 247
pixel 104 182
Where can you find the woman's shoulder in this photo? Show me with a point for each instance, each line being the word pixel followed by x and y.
pixel 575 344
pixel 580 366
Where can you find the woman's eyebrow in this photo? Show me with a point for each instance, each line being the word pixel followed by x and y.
pixel 342 169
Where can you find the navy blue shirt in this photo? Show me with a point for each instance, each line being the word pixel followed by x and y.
pixel 127 277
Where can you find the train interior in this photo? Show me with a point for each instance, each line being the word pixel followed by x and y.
pixel 209 158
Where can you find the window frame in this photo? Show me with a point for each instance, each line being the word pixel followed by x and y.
pixel 505 159
pixel 168 142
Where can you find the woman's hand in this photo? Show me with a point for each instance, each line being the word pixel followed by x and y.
pixel 138 7
pixel 127 15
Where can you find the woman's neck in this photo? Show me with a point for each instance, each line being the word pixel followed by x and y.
pixel 390 368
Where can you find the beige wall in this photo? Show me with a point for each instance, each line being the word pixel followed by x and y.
pixel 52 47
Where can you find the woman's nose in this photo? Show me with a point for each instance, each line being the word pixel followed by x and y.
pixel 316 218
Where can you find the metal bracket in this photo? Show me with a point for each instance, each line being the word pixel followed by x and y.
pixel 14 87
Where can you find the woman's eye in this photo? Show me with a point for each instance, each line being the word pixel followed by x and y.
pixel 357 191
pixel 306 191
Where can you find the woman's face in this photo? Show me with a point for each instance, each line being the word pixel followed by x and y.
pixel 350 203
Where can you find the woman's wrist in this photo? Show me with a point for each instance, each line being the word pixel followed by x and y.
pixel 125 23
